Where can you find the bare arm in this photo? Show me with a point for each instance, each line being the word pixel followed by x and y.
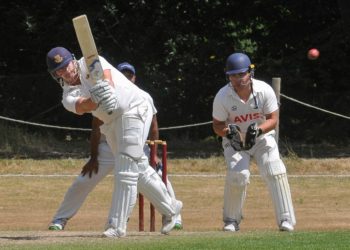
pixel 108 76
pixel 270 123
pixel 95 137
pixel 92 165
pixel 84 105
pixel 220 127
pixel 154 132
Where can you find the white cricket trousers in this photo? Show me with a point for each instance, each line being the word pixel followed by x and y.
pixel 83 185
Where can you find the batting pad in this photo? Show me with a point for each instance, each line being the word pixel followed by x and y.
pixel 153 188
pixel 280 191
pixel 234 195
pixel 125 192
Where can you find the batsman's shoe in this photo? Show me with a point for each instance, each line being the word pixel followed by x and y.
pixel 286 226
pixel 178 225
pixel 169 222
pixel 231 227
pixel 57 225
pixel 113 233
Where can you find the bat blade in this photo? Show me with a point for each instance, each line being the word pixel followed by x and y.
pixel 88 47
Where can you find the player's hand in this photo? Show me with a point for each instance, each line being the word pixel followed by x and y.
pixel 252 133
pixel 101 91
pixel 159 166
pixel 90 167
pixel 235 137
pixel 109 104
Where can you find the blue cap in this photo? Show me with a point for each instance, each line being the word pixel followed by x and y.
pixel 126 66
pixel 57 58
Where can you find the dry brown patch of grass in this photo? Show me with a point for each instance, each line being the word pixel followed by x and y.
pixel 28 204
pixel 318 166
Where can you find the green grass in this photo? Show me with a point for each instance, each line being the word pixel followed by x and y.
pixel 209 240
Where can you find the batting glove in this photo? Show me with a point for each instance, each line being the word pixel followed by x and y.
pixel 101 91
pixel 109 104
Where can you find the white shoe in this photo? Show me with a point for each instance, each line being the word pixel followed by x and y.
pixel 112 233
pixel 286 226
pixel 230 228
pixel 169 222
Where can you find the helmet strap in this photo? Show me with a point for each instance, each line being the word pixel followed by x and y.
pixel 252 71
pixel 256 106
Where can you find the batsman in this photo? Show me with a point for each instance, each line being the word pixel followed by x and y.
pixel 245 114
pixel 126 115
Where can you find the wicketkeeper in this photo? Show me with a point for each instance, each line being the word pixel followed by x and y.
pixel 245 114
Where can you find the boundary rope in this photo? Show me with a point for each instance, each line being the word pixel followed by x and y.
pixel 310 106
pixel 172 127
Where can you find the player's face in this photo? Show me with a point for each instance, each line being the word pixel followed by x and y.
pixel 240 80
pixel 69 73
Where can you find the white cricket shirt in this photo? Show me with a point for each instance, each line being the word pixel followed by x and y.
pixel 229 107
pixel 128 94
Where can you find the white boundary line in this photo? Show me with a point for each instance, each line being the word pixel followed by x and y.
pixel 178 175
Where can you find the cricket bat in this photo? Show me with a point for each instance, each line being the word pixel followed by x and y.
pixel 88 47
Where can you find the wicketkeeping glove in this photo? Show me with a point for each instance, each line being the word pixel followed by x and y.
pixel 252 133
pixel 235 137
pixel 101 91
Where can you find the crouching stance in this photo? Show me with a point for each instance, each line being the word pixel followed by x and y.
pixel 126 117
pixel 245 113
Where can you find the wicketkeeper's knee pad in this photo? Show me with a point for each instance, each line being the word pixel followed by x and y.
pixel 153 188
pixel 234 195
pixel 236 178
pixel 275 175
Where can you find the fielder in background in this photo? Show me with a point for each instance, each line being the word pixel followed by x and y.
pixel 129 71
pixel 126 117
pixel 245 114
pixel 100 164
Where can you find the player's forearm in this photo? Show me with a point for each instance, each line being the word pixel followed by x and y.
pixel 84 105
pixel 270 123
pixel 95 137
pixel 94 150
pixel 108 76
pixel 154 131
pixel 220 128
pixel 94 142
pixel 154 135
pixel 221 131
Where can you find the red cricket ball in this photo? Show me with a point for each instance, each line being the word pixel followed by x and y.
pixel 313 54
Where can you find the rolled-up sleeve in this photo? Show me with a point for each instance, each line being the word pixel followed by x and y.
pixel 69 99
